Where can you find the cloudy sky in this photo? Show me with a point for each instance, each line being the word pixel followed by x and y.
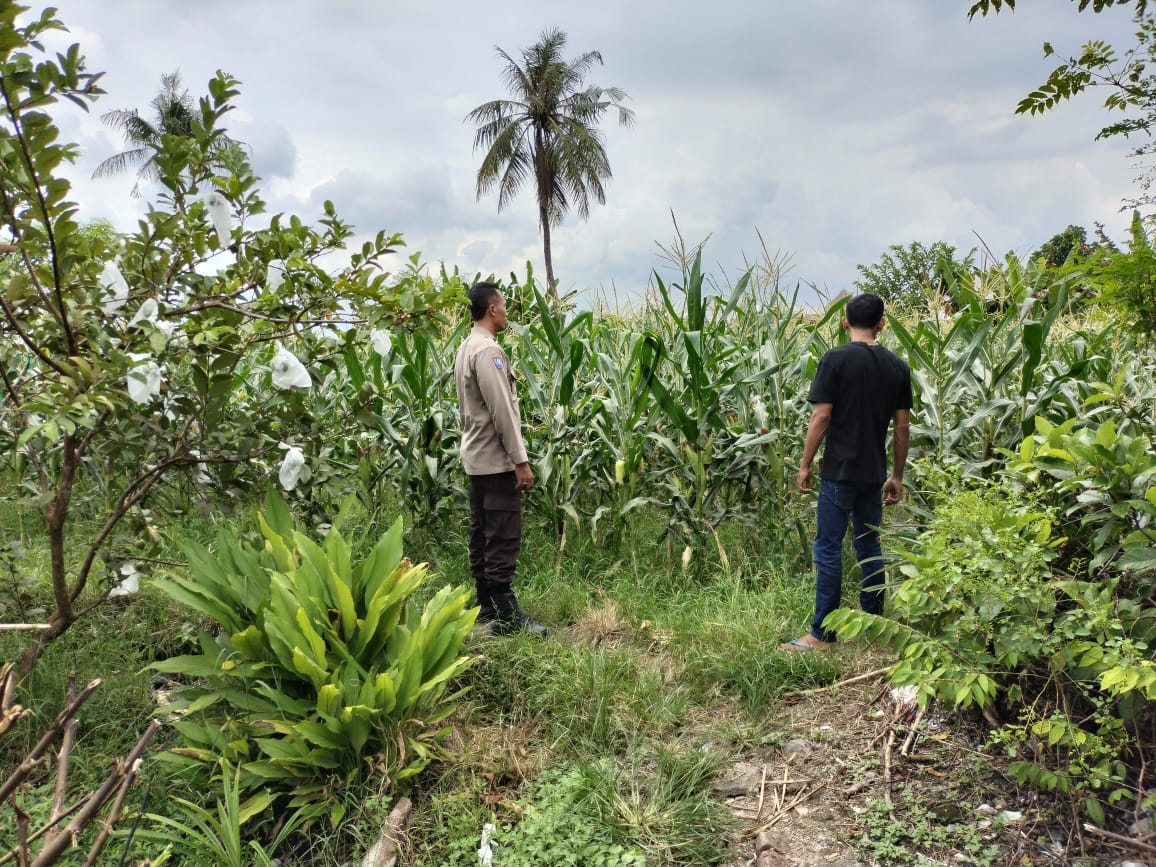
pixel 829 128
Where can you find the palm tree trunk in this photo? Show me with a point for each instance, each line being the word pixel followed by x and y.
pixel 542 178
pixel 551 283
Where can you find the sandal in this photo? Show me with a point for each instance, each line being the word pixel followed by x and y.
pixel 805 644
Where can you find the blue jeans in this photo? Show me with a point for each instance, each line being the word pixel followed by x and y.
pixel 863 505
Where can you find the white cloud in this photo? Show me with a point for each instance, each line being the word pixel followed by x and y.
pixel 833 128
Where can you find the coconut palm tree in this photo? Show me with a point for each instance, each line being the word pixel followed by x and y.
pixel 175 114
pixel 548 132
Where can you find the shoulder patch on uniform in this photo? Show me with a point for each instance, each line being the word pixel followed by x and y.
pixel 499 362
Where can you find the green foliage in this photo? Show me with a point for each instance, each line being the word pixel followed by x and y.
pixel 913 279
pixel 175 114
pixel 712 461
pixel 605 814
pixel 1070 244
pixel 1125 74
pixel 980 377
pixel 593 699
pixel 984 6
pixel 981 620
pixel 321 668
pixel 417 416
pixel 557 348
pixel 891 838
pixel 1093 772
pixel 975 599
pixel 201 837
pixel 1106 479
pixel 561 824
pixel 115 644
pixel 138 366
pixel 1127 280
pixel 671 812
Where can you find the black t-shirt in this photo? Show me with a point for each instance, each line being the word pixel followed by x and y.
pixel 865 385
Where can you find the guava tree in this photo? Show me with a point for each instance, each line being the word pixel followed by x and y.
pixel 183 348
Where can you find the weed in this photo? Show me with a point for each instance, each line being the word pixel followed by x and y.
pixel 560 820
pixel 912 834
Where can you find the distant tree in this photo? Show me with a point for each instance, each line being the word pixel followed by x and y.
pixel 1127 77
pixel 548 132
pixel 1070 243
pixel 1126 279
pixel 175 113
pixel 908 278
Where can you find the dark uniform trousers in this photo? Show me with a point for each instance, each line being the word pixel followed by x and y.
pixel 495 529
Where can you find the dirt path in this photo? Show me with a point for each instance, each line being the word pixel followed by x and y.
pixel 839 756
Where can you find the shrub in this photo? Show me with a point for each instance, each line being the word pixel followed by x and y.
pixel 980 620
pixel 321 670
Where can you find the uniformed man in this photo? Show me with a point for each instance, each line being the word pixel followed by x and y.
pixel 494 456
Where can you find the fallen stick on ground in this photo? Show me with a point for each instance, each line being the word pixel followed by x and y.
pixel 383 853
pixel 754 832
pixel 866 676
pixel 1130 842
pixel 762 793
pixel 910 741
pixel 887 766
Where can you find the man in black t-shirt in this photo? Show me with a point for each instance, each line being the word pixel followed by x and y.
pixel 859 389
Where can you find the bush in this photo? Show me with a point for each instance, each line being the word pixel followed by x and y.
pixel 980 620
pixel 321 670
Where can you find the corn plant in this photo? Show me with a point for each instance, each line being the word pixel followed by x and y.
pixel 778 371
pixel 976 373
pixel 421 426
pixel 706 463
pixel 621 424
pixel 554 354
pixel 321 668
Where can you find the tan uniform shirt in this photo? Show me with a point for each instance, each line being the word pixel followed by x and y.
pixel 487 406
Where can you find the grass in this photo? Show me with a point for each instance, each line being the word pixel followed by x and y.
pixel 652 680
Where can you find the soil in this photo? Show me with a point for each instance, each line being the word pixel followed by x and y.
pixel 818 795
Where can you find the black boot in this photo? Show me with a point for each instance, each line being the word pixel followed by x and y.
pixel 511 618
pixel 487 613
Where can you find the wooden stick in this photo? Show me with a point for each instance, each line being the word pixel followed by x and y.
pixel 63 757
pixel 11 715
pixel 1119 838
pixel 113 815
pixel 35 757
pixel 55 847
pixel 383 853
pixel 762 792
pixel 910 740
pixel 7 686
pixel 887 766
pixel 846 682
pixel 754 832
pixel 24 627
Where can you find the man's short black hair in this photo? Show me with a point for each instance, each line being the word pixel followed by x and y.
pixel 864 310
pixel 482 294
